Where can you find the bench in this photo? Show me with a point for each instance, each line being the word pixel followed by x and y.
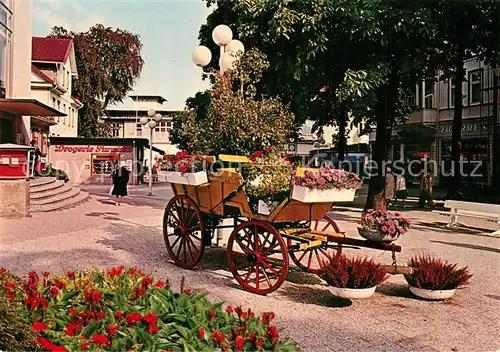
pixel 490 212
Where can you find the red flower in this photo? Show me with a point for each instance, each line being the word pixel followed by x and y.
pixel 85 346
pixel 160 284
pixel 252 337
pixel 100 339
pixel 187 291
pixel 38 326
pixel 272 332
pixel 49 346
pixel 201 333
pixel 73 312
pixel 244 315
pixel 218 336
pixel 112 329
pixel 119 315
pixel 146 281
pixel 258 154
pixel 259 342
pixel 238 310
pixel 229 309
pixel 238 344
pixel 268 149
pixel 114 272
pixel 151 319
pixel 70 275
pixel 72 329
pixel 92 296
pixel 100 315
pixel 133 318
pixel 267 317
pixel 60 284
pixel 183 168
pixel 54 291
pixel 211 314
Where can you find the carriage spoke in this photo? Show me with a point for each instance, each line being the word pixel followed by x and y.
pixel 267 277
pixel 309 261
pixel 191 229
pixel 244 247
pixel 171 212
pixel 257 269
pixel 269 267
pixel 242 265
pixel 270 248
pixel 266 240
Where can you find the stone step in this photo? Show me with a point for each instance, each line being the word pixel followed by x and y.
pixel 46 187
pixel 64 204
pixel 40 181
pixel 59 197
pixel 45 193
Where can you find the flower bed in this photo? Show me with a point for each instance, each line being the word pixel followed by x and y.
pixel 383 226
pixel 185 168
pixel 125 309
pixel 326 185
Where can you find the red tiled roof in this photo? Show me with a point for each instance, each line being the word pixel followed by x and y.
pixel 50 49
pixel 40 74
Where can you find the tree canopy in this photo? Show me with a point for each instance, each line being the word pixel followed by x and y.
pixel 109 63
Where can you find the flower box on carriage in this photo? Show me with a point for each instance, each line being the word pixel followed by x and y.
pixel 308 195
pixel 188 178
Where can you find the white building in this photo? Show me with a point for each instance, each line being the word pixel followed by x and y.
pixel 125 123
pixel 53 70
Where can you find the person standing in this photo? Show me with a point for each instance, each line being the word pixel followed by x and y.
pixel 36 159
pixel 120 182
pixel 389 187
pixel 401 192
pixel 425 190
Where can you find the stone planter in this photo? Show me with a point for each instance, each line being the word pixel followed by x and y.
pixel 194 179
pixel 308 195
pixel 352 293
pixel 435 295
pixel 375 235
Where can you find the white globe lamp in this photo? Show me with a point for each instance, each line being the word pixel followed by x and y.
pixel 227 62
pixel 158 118
pixel 201 56
pixel 143 120
pixel 151 112
pixel 235 47
pixel 152 124
pixel 222 35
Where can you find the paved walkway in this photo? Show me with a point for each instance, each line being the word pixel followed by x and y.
pixel 99 233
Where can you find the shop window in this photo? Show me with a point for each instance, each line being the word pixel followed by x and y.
pixel 103 165
pixel 475 87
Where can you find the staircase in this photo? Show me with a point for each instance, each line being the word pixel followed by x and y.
pixel 48 194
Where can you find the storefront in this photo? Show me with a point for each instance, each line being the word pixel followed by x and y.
pixel 92 160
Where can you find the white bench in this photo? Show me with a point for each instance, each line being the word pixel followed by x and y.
pixel 490 212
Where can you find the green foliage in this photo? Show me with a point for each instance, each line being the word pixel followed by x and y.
pixel 15 331
pixel 125 309
pixel 109 63
pixel 236 122
pixel 51 171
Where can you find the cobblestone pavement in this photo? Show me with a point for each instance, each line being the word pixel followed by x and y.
pixel 99 233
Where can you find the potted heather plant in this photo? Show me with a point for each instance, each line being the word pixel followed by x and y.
pixel 382 226
pixel 185 168
pixel 352 277
pixel 435 279
pixel 326 185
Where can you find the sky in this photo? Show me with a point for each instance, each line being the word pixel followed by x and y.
pixel 168 30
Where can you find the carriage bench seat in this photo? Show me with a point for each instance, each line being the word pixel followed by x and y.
pixel 490 212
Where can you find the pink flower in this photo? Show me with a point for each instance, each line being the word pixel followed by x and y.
pixel 392 230
pixel 384 229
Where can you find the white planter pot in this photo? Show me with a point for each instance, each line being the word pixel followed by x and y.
pixel 432 294
pixel 264 209
pixel 307 195
pixel 352 293
pixel 194 179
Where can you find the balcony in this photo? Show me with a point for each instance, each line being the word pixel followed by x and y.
pixel 423 116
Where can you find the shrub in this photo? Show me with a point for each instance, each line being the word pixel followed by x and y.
pixel 357 272
pixel 125 309
pixel 389 224
pixel 51 171
pixel 434 274
pixel 15 331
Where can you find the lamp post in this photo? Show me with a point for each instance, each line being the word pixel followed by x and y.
pixel 230 48
pixel 151 121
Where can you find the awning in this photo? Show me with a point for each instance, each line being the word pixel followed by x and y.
pixel 42 121
pixel 27 107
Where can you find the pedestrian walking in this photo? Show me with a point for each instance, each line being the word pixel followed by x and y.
pixel 401 191
pixel 389 187
pixel 120 182
pixel 425 190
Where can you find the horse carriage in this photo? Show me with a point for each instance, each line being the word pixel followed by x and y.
pixel 260 247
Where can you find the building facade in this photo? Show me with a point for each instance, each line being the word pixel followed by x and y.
pixel 427 133
pixel 125 123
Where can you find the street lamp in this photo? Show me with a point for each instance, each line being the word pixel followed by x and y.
pixel 151 121
pixel 230 48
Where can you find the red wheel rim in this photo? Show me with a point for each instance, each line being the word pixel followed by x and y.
pixel 312 259
pixel 182 231
pixel 257 257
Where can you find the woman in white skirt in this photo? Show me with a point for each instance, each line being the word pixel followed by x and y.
pixel 401 192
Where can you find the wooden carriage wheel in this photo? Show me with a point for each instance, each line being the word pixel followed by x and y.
pixel 311 259
pixel 257 257
pixel 183 231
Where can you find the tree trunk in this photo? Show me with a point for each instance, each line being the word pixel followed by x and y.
pixel 342 138
pixel 384 115
pixel 456 136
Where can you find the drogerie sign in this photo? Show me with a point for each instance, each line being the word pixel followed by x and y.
pixel 92 149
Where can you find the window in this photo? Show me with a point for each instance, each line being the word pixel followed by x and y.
pixel 64 117
pixel 138 130
pixel 54 103
pixel 116 129
pixel 169 126
pixel 451 93
pixel 475 87
pixel 429 95
pixel 58 109
pixel 5 32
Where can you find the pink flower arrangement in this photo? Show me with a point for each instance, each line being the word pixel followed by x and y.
pixel 183 162
pixel 392 224
pixel 328 178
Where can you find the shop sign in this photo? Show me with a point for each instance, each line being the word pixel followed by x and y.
pixel 92 149
pixel 467 128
